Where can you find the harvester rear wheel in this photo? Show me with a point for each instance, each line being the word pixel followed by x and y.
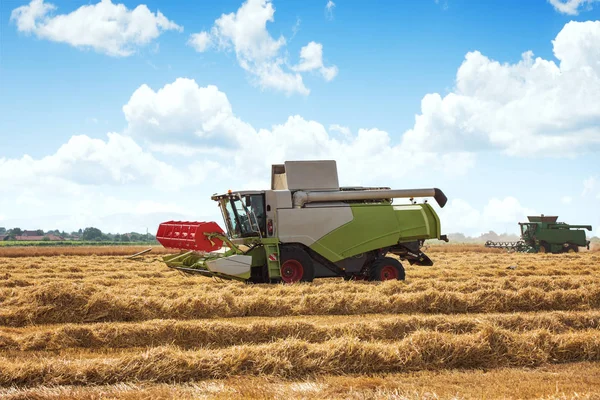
pixel 386 269
pixel 572 249
pixel 296 265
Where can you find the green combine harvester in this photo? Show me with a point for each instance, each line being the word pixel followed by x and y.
pixel 544 235
pixel 307 227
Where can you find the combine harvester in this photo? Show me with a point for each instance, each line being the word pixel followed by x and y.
pixel 544 235
pixel 307 227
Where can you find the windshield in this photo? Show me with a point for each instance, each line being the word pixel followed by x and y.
pixel 230 219
pixel 527 230
pixel 244 216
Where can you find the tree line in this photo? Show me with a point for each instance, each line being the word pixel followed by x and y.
pixel 88 234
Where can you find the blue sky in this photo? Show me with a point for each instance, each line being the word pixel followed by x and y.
pixel 507 135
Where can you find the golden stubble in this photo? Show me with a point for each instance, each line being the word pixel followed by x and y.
pixel 97 326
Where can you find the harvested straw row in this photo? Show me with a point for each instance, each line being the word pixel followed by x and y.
pixel 560 382
pixel 512 283
pixel 449 268
pixel 150 283
pixel 114 271
pixel 133 282
pixel 215 334
pixel 51 251
pixel 490 348
pixel 64 303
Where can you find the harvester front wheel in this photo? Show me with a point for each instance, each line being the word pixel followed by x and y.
pixel 386 269
pixel 296 265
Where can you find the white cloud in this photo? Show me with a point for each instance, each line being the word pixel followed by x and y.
pixel 105 27
pixel 329 9
pixel 311 58
pixel 200 41
pixel 531 108
pixel 566 199
pixel 86 161
pixel 27 16
pixel 271 75
pixel 571 7
pixel 257 52
pixel 499 215
pixel 295 28
pixel 460 216
pixel 506 210
pixel 28 198
pixel 344 130
pixel 183 118
pixel 184 113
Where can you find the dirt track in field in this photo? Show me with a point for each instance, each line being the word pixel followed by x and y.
pixel 82 326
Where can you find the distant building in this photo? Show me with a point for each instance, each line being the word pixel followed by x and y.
pixel 3 237
pixel 30 233
pixel 50 237
pixel 30 237
pixel 55 238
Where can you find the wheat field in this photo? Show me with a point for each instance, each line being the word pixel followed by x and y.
pixel 94 324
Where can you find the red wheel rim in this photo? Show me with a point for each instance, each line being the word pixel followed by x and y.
pixel 388 273
pixel 291 271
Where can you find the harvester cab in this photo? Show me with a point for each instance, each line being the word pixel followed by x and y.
pixel 307 226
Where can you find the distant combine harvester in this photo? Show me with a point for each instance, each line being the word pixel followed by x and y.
pixel 544 235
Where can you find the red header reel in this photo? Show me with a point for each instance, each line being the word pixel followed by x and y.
pixel 185 235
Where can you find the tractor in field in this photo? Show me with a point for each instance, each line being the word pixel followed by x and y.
pixel 307 226
pixel 543 234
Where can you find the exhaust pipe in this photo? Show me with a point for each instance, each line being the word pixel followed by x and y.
pixel 301 198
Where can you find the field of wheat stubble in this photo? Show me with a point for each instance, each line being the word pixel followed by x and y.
pixel 101 326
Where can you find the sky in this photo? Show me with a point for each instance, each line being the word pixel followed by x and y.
pixel 121 115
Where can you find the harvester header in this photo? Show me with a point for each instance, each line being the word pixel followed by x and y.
pixel 307 226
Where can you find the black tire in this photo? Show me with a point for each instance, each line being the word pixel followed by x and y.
pixel 259 275
pixel 295 265
pixel 544 248
pixel 572 248
pixel 386 268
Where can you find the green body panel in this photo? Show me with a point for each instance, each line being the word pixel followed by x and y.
pixel 560 236
pixel 376 226
pixel 259 257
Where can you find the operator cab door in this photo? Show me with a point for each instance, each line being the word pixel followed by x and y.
pixel 255 203
pixel 245 215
